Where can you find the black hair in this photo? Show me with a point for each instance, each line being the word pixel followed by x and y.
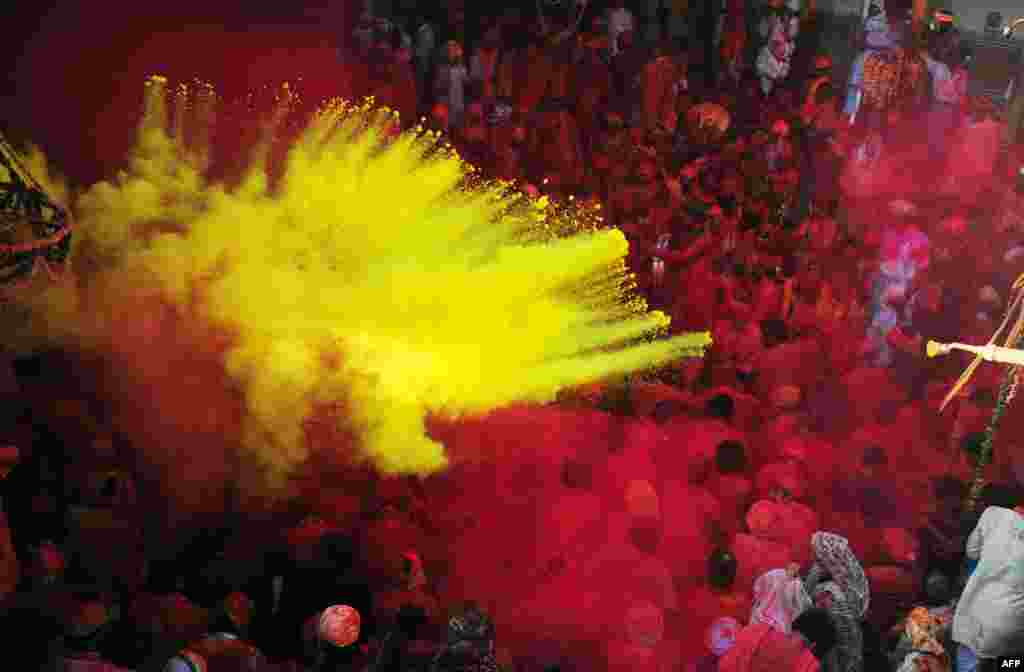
pixel 790 266
pixel 948 487
pixel 774 331
pixel 666 409
pixel 874 455
pixel 722 568
pixel 1004 495
pixel 944 595
pixel 971 444
pixel 110 487
pixel 720 406
pixel 817 626
pixel 730 457
pixel 751 221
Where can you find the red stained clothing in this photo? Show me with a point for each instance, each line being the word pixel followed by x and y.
pixel 734 492
pixel 789 476
pixel 796 363
pixel 762 648
pixel 689 451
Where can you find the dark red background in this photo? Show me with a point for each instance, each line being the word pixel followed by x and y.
pixel 74 77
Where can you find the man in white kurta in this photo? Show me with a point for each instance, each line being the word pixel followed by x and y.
pixel 989 617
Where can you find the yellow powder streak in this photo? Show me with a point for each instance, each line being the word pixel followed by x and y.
pixel 437 299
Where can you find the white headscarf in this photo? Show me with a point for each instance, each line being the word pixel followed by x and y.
pixel 778 600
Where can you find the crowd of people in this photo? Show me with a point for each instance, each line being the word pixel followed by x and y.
pixel 792 501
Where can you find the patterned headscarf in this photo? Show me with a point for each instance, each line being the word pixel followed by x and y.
pixel 834 555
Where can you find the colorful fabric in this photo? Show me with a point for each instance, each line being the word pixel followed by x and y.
pixel 924 630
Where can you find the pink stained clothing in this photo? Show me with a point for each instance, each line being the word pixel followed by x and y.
pixel 689 519
pixel 734 493
pixel 637 576
pixel 762 648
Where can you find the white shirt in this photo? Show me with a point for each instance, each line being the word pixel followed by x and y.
pixel 989 617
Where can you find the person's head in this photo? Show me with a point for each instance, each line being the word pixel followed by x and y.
pixel 666 409
pixel 818 631
pixel 720 407
pixel 730 457
pixel 774 331
pixel 453 52
pixel 1000 494
pixel 938 589
pixel 722 568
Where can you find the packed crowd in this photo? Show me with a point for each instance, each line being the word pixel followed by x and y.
pixel 792 501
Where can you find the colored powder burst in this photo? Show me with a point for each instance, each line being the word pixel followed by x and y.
pixel 369 272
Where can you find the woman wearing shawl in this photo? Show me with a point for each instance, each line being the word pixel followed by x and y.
pixel 837 583
pixel 779 597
